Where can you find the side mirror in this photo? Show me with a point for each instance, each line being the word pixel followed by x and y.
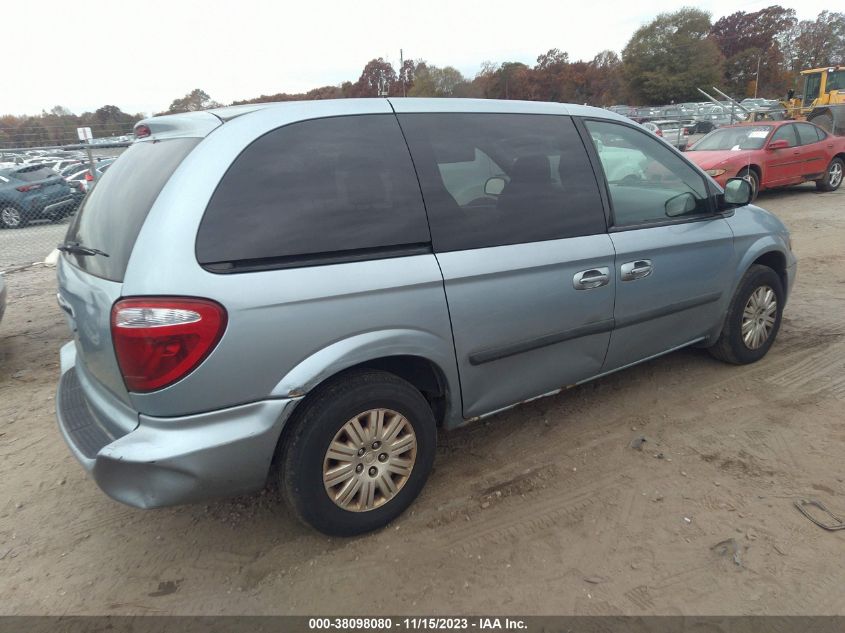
pixel 494 186
pixel 779 144
pixel 680 204
pixel 737 192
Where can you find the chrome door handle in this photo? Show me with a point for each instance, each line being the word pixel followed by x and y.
pixel 636 269
pixel 592 278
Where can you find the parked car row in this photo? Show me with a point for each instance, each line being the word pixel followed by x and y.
pixel 702 117
pixel 40 185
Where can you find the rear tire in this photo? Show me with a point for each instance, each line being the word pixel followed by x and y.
pixel 832 176
pixel 11 217
pixel 753 179
pixel 375 476
pixel 753 318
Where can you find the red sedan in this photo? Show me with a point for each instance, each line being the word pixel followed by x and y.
pixel 772 154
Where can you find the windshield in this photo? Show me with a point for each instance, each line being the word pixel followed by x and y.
pixel 734 138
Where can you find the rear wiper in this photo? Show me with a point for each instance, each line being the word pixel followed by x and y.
pixel 77 249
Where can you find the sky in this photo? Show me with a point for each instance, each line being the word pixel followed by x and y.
pixel 140 56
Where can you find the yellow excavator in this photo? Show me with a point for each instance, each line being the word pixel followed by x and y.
pixel 823 100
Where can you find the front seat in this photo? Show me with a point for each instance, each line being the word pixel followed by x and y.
pixel 530 184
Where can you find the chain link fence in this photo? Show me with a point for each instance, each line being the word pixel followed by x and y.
pixel 41 189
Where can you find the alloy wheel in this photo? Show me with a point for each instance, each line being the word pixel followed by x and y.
pixel 10 217
pixel 835 174
pixel 369 460
pixel 758 317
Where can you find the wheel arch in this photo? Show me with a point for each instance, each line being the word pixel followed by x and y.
pixel 775 260
pixel 767 252
pixel 757 170
pixel 423 359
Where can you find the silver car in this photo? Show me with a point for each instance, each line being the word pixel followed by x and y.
pixel 311 291
pixel 673 132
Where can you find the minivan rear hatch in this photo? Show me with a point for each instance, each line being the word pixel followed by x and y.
pixel 109 221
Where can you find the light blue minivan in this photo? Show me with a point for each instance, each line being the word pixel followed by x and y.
pixel 309 291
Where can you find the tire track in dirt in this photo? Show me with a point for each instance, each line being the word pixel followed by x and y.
pixel 815 374
pixel 524 516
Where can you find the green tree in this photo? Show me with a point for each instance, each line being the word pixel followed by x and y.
pixel 749 40
pixel 60 111
pixel 817 43
pixel 378 76
pixel 671 56
pixel 195 100
pixel 431 81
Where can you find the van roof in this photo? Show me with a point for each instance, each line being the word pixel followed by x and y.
pixel 201 123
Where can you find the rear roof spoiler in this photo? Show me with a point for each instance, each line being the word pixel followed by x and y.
pixel 188 124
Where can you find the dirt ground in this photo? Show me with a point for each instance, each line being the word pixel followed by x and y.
pixel 545 509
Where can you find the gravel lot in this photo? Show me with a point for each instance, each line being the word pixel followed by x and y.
pixel 20 247
pixel 544 509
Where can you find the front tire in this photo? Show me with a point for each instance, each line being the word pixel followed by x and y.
pixel 753 318
pixel 753 179
pixel 359 453
pixel 832 176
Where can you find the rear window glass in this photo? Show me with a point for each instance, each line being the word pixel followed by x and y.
pixel 807 133
pixel 321 189
pixel 35 173
pixel 115 209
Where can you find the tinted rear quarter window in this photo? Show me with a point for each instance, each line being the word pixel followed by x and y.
pixel 807 133
pixel 313 192
pixel 116 208
pixel 544 187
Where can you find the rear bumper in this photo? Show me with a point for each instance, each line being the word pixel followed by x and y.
pixel 168 461
pixel 51 208
pixel 59 206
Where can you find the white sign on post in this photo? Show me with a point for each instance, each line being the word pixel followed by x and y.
pixel 84 133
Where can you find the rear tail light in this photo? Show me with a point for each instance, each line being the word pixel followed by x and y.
pixel 659 132
pixel 25 188
pixel 142 131
pixel 686 131
pixel 89 176
pixel 158 341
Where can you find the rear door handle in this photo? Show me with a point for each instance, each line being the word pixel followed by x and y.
pixel 636 270
pixel 592 278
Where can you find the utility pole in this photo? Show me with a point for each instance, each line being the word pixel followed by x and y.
pixel 757 76
pixel 402 70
